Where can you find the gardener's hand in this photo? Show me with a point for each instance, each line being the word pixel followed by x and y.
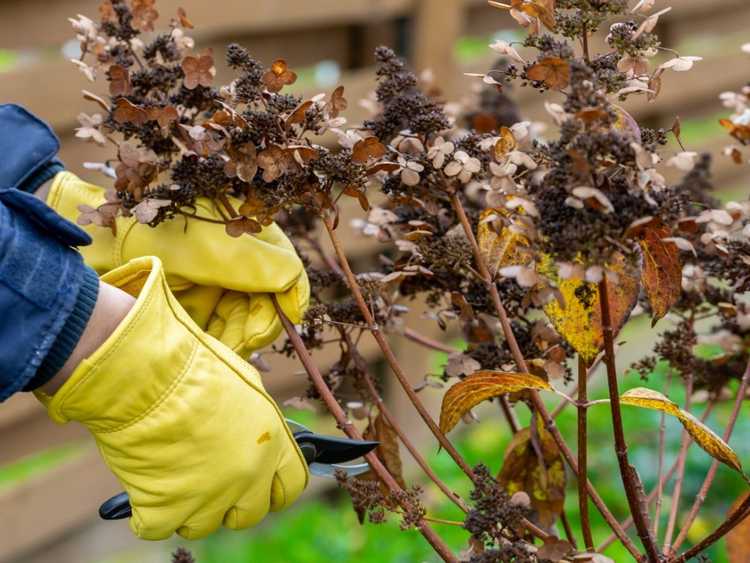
pixel 223 283
pixel 182 421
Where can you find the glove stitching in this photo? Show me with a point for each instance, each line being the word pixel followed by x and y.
pixel 283 489
pixel 121 235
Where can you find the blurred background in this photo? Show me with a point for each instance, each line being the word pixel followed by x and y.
pixel 51 479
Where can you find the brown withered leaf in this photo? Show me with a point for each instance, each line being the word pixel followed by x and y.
pixel 337 103
pixel 127 112
pixel 238 226
pixel 278 76
pixel 359 195
pixel 298 115
pixel 388 451
pixel 554 550
pixel 303 154
pixel 105 215
pixel 136 169
pixel 478 387
pixel 500 243
pixel 662 270
pixel 144 14
pixel 578 319
pixel 738 540
pixel 147 210
pixel 366 149
pixel 275 162
pixel 107 11
pixel 199 71
pixel 383 167
pixel 591 115
pixel 202 141
pixel 163 116
pixel 243 163
pixel 119 81
pixel 553 71
pixel 183 19
pixel 713 444
pixel 739 132
pixel 522 471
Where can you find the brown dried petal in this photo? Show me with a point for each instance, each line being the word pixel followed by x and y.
pixel 199 71
pixel 119 81
pixel 278 76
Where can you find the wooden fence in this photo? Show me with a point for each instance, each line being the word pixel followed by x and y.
pixel 41 518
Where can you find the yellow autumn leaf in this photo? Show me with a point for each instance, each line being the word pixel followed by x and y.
pixel 578 318
pixel 505 143
pixel 480 386
pixel 501 243
pixel 706 438
pixel 553 71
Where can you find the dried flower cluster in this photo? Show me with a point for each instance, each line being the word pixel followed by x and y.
pixel 538 247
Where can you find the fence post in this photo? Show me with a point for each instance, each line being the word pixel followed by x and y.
pixel 437 26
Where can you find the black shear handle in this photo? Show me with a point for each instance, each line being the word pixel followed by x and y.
pixel 314 447
pixel 118 507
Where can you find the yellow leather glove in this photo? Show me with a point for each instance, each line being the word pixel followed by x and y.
pixel 223 283
pixel 181 420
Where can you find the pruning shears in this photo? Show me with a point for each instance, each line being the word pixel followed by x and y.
pixel 325 456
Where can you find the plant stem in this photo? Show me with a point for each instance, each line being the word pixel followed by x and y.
pixel 574 392
pixel 568 530
pixel 583 498
pixel 362 366
pixel 222 197
pixel 630 479
pixel 338 413
pixel 536 399
pixel 585 40
pixel 650 498
pixel 199 218
pixel 708 481
pixel 443 521
pixel 660 463
pixel 681 459
pixel 388 352
pixel 510 414
pixel 742 512
pixel 428 342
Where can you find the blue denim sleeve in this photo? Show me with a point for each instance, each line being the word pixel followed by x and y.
pixel 47 294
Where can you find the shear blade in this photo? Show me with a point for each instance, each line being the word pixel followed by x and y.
pixel 329 470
